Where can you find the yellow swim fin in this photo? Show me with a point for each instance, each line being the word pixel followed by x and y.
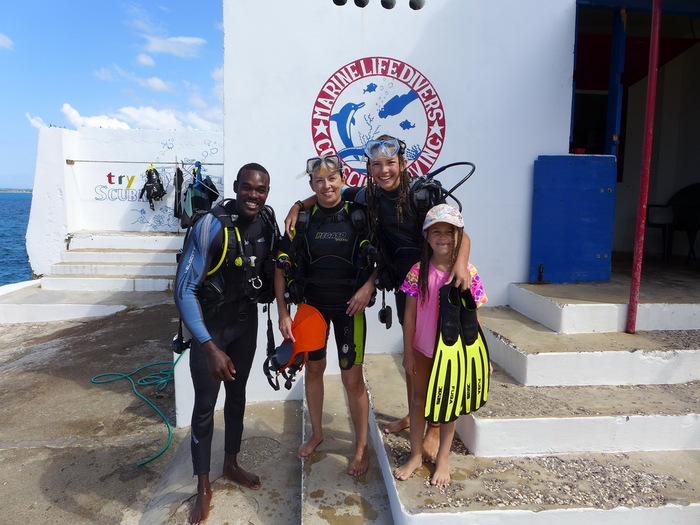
pixel 445 398
pixel 477 355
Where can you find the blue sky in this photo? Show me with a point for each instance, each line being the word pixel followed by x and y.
pixel 74 63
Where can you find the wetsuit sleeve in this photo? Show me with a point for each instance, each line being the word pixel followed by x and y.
pixel 357 195
pixel 195 261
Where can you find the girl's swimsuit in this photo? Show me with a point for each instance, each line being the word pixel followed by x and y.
pixel 429 310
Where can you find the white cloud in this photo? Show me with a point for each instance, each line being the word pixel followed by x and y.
pixel 199 116
pixel 36 122
pixel 106 74
pixel 100 121
pixel 140 19
pixel 156 36
pixel 147 117
pixel 218 90
pixel 114 73
pixel 211 119
pixel 145 60
pixel 154 83
pixel 180 46
pixel 218 74
pixel 6 42
pixel 197 101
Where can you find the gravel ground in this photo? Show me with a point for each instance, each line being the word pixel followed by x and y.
pixel 676 339
pixel 549 482
pixel 601 481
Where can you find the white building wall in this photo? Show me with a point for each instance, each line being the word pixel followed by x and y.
pixel 503 71
pixel 48 221
pixel 91 179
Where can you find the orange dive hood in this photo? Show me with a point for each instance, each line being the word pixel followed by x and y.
pixel 309 331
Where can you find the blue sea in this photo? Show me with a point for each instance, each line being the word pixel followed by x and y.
pixel 14 265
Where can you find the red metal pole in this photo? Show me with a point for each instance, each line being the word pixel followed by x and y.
pixel 646 166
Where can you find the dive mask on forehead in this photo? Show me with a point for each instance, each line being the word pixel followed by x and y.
pixel 384 148
pixel 330 162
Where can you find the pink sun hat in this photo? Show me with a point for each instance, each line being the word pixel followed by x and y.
pixel 443 213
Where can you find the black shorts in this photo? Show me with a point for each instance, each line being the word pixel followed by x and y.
pixel 350 337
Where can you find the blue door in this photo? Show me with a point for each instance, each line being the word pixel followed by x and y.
pixel 573 207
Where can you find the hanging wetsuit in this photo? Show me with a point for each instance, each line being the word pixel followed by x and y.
pixel 222 307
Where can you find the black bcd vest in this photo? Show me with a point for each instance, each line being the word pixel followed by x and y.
pixel 237 273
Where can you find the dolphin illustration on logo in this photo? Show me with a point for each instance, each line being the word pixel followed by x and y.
pixel 345 120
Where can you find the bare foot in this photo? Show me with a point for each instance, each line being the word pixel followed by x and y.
pixel 360 462
pixel 441 476
pixel 307 448
pixel 404 472
pixel 431 443
pixel 200 510
pixel 396 426
pixel 235 473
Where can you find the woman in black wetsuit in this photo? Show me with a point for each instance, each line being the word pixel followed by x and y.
pixel 332 276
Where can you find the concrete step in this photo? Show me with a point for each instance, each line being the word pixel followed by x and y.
pixel 100 240
pixel 116 261
pixel 85 256
pixel 329 494
pixel 523 420
pixel 99 269
pixel 646 487
pixel 114 283
pixel 601 489
pixel 534 355
pixel 28 302
pixel 602 307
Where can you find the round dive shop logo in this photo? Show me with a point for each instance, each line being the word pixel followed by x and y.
pixel 373 96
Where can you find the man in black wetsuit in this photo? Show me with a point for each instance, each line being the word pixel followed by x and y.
pixel 217 288
pixel 337 278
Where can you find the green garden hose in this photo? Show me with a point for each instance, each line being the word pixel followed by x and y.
pixel 160 378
